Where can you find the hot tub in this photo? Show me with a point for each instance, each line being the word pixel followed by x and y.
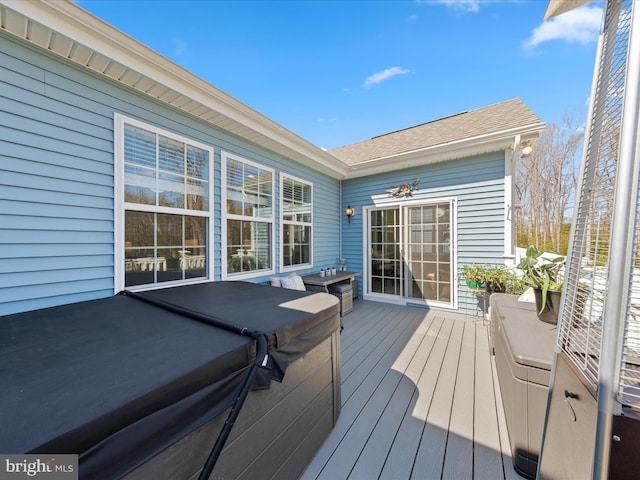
pixel 136 390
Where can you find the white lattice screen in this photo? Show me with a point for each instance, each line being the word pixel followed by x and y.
pixel 597 289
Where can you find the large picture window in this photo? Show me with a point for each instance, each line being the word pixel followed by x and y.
pixel 165 192
pixel 297 225
pixel 249 217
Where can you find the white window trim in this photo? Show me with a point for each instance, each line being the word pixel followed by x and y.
pixel 120 205
pixel 225 216
pixel 302 266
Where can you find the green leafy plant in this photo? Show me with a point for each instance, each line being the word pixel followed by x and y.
pixel 542 273
pixel 496 277
pixel 499 278
pixel 515 286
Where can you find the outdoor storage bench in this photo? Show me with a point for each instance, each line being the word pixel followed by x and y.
pixel 524 354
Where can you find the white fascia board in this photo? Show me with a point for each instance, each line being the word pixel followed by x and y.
pixel 448 151
pixel 67 19
pixel 558 7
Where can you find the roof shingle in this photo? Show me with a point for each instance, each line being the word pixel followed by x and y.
pixel 474 123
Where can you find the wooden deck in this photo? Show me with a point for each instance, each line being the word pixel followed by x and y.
pixel 420 399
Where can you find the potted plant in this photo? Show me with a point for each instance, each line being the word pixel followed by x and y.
pixel 496 278
pixel 515 286
pixel 544 275
pixel 473 275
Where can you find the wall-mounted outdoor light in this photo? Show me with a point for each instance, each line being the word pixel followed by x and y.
pixel 527 149
pixel 350 212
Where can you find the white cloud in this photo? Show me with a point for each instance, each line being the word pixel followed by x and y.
pixel 327 119
pixel 581 25
pixel 179 46
pixel 384 75
pixel 464 6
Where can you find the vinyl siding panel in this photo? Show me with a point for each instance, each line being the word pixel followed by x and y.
pixel 478 185
pixel 56 192
pixel 57 179
pixel 21 265
pixel 42 295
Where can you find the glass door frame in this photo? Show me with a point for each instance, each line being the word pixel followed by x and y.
pixel 403 208
pixel 391 260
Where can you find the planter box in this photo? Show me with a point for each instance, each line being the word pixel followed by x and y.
pixel 474 285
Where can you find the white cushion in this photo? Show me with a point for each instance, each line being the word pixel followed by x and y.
pixel 275 281
pixel 293 282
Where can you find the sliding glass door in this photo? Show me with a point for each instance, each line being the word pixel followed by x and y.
pixel 428 252
pixel 385 264
pixel 410 255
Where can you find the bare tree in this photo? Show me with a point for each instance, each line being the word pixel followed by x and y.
pixel 546 184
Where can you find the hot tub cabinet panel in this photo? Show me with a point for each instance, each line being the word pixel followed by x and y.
pixel 278 430
pixel 140 391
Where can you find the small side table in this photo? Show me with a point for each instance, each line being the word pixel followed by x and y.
pixel 340 285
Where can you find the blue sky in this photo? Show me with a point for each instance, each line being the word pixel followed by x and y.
pixel 338 72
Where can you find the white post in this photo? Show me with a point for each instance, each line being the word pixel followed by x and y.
pixel 621 251
pixel 510 160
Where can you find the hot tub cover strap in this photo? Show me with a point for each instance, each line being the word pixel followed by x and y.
pixel 266 366
pixel 273 368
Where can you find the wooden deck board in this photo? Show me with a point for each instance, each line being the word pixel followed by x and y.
pixel 360 388
pixel 488 449
pixel 431 452
pixel 407 368
pixel 420 399
pixel 355 366
pixel 459 456
pixel 399 462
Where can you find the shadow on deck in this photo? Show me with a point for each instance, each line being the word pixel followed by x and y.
pixel 420 399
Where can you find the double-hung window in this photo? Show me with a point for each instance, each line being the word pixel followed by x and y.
pixel 163 187
pixel 297 225
pixel 248 219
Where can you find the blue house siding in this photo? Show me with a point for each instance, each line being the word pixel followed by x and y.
pixel 478 185
pixel 56 179
pixel 56 191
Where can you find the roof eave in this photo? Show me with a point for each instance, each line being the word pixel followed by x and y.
pixel 558 7
pixel 467 147
pixel 64 28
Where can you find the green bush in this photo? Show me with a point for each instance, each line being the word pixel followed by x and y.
pixel 497 278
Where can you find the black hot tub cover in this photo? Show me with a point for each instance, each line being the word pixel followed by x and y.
pixel 117 380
